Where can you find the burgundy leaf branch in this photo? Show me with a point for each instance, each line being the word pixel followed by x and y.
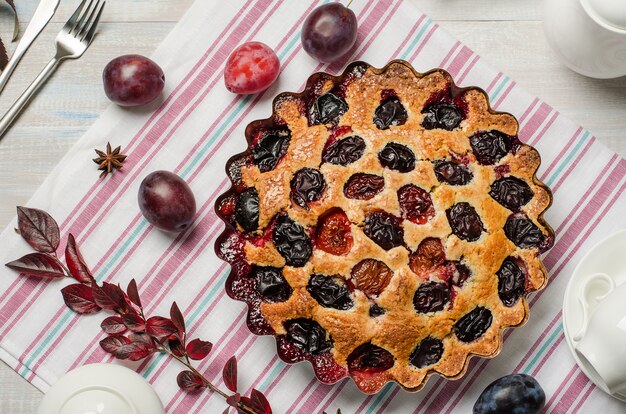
pixel 131 335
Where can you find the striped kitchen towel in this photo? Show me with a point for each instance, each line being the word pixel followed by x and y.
pixel 196 129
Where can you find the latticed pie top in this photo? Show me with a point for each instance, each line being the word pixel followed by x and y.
pixel 384 224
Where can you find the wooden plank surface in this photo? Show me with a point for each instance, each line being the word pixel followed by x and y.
pixel 508 33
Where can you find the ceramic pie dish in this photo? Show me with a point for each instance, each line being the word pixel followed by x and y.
pixel 384 225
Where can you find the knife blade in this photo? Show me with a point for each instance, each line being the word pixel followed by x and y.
pixel 40 19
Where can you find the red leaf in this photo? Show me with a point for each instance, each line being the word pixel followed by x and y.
pixel 198 349
pixel 177 318
pixel 134 351
pixel 142 337
pixel 133 293
pixel 112 343
pixel 176 346
pixel 75 262
pixel 248 403
pixel 230 374
pixel 233 400
pixel 38 265
pixel 121 347
pixel 189 381
pixel 259 402
pixel 39 229
pixel 79 298
pixel 134 322
pixel 160 327
pixel 113 325
pixel 109 296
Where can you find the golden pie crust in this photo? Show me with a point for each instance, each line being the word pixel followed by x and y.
pixel 401 328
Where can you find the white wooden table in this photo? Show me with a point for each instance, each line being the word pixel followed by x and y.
pixel 506 32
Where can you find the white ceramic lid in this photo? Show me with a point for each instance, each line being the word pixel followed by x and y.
pixel 101 389
pixel 610 12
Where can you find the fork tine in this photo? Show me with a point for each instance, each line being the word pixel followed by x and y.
pixel 92 30
pixel 79 24
pixel 71 23
pixel 84 27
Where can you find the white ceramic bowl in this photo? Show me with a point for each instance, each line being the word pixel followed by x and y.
pixel 589 36
pixel 101 389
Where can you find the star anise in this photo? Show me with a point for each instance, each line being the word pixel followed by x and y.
pixel 109 161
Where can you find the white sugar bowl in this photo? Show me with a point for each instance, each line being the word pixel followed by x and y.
pixel 589 36
pixel 101 389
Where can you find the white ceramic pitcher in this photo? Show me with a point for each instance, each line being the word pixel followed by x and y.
pixel 589 36
pixel 601 341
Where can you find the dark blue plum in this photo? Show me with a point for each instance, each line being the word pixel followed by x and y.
pixel 329 32
pixel 511 394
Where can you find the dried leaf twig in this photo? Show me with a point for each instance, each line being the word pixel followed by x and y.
pixel 131 335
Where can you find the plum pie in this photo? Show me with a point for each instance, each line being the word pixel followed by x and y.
pixel 384 225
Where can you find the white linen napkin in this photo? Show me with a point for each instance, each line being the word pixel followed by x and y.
pixel 197 127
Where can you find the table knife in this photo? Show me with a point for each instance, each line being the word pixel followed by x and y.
pixel 40 19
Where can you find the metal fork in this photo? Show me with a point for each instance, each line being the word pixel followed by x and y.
pixel 71 42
